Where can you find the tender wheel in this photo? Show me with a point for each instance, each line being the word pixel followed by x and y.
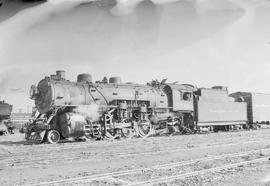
pixel 144 129
pixel 53 136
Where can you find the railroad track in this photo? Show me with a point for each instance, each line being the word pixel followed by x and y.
pixel 92 145
pixel 114 176
pixel 88 147
pixel 103 144
pixel 196 173
pixel 53 158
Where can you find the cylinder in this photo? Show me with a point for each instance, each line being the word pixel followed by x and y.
pixel 61 74
pixel 84 78
pixel 115 80
pixel 72 125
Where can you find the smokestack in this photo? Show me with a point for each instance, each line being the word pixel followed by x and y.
pixel 54 77
pixel 61 74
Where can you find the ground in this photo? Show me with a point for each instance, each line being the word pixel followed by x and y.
pixel 224 158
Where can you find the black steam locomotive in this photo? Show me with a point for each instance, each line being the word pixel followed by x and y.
pixel 112 109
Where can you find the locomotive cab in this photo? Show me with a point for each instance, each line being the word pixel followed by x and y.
pixel 181 102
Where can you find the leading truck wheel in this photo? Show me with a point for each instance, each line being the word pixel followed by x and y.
pixel 53 136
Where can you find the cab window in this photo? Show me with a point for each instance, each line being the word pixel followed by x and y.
pixel 186 96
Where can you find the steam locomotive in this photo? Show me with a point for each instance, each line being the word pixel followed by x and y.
pixel 5 112
pixel 112 109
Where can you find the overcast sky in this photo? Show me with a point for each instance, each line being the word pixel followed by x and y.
pixel 202 42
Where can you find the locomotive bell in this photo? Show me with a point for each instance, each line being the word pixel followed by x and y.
pixel 85 77
pixel 115 80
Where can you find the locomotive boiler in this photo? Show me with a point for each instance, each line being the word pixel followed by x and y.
pixel 112 109
pixel 103 109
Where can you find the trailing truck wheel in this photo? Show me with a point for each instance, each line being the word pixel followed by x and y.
pixel 53 136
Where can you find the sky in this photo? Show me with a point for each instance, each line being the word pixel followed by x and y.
pixel 201 42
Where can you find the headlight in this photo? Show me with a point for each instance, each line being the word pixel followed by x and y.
pixel 33 92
